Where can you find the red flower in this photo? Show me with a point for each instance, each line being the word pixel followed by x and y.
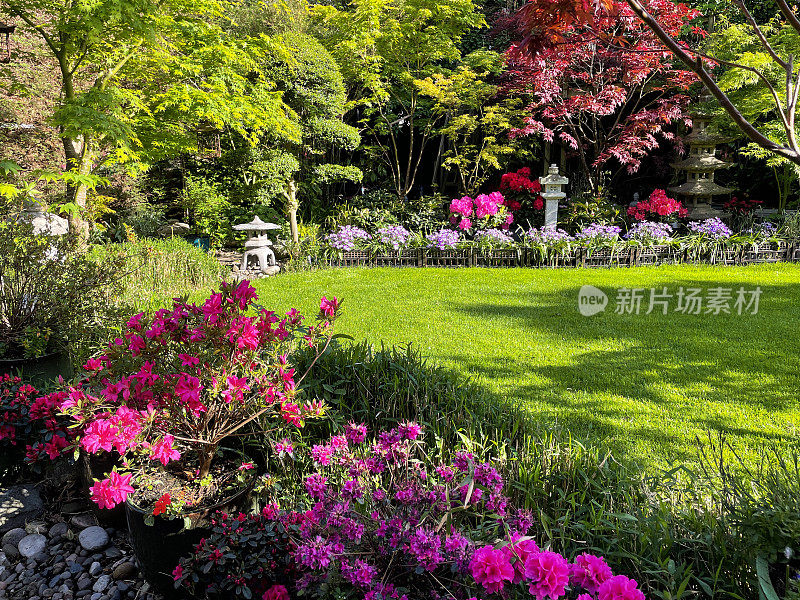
pixel 161 505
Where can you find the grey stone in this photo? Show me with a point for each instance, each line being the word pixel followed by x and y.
pixel 54 581
pixel 113 553
pixel 123 587
pixel 84 584
pixel 39 557
pixel 14 536
pixel 19 504
pixel 32 544
pixel 124 571
pixel 83 521
pixel 95 569
pixel 74 568
pixel 102 583
pixel 93 538
pixel 58 530
pixel 10 551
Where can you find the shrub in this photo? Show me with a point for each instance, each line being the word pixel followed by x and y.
pixel 657 207
pixel 182 381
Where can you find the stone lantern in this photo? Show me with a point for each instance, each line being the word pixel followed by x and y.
pixel 257 247
pixel 552 184
pixel 700 165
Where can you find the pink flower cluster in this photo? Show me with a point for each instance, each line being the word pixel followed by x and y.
pixel 658 205
pixel 482 208
pixel 150 397
pixel 548 574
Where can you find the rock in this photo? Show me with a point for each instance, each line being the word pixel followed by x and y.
pixel 102 583
pixel 32 544
pixel 74 568
pixel 126 570
pixel 113 553
pixel 14 536
pixel 11 551
pixel 19 504
pixel 95 569
pixel 83 521
pixel 58 530
pixel 93 538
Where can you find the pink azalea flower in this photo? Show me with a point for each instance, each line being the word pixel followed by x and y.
pixel 236 388
pixel 188 391
pixel 244 294
pixel 94 364
pixel 329 307
pixel 137 344
pixel 245 466
pixel 187 360
pixel 99 435
pixel 163 450
pixel 135 322
pixel 212 308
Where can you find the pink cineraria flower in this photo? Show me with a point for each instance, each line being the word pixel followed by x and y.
pixel 548 573
pixel 491 568
pixel 163 450
pixel 329 307
pixel 620 588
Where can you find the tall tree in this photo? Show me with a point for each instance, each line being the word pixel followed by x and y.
pixel 383 47
pixel 138 76
pixel 546 17
pixel 606 88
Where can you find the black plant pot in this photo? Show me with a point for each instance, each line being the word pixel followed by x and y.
pixel 42 370
pixel 160 546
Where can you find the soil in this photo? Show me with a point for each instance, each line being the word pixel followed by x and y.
pixel 182 484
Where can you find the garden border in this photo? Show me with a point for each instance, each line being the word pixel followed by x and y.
pixel 765 252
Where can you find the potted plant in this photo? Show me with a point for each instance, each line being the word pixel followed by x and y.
pixel 173 395
pixel 50 291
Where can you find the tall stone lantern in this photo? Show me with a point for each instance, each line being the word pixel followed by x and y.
pixel 700 165
pixel 552 184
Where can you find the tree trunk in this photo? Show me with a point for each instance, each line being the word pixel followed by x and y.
pixel 291 208
pixel 79 160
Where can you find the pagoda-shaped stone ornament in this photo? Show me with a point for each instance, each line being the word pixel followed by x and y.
pixel 552 184
pixel 701 163
pixel 257 247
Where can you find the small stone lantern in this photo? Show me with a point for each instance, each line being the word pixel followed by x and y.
pixel 552 193
pixel 257 247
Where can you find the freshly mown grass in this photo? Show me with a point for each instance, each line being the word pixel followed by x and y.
pixel 644 385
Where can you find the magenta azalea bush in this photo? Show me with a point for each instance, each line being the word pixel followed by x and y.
pixel 179 382
pixel 484 211
pixel 390 517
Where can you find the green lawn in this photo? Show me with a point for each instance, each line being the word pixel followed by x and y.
pixel 644 384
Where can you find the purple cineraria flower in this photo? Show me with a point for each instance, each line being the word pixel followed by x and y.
pixel 548 234
pixel 347 237
pixel 395 236
pixel 596 231
pixel 494 236
pixel 713 228
pixel 648 230
pixel 443 239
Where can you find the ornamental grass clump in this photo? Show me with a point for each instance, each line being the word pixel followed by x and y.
pixel 393 517
pixel 183 380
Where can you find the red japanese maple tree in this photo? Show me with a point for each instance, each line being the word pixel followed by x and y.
pixel 552 19
pixel 602 83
